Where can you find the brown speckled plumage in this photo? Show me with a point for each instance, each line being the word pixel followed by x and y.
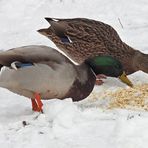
pixel 89 38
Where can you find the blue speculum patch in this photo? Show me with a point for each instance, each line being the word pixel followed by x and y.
pixel 22 65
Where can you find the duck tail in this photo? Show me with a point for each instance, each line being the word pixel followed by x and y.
pixel 49 20
pixel 54 23
pixel 48 31
pixel 56 29
pixel 1 66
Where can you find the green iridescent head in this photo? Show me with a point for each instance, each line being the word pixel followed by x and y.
pixel 108 66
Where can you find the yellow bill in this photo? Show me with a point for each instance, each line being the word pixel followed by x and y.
pixel 125 79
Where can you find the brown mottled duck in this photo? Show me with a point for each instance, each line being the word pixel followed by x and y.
pixel 81 38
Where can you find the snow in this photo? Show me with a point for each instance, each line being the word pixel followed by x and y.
pixel 65 124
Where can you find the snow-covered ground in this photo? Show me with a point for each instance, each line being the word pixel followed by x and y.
pixel 65 124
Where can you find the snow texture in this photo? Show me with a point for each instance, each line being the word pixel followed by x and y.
pixel 65 124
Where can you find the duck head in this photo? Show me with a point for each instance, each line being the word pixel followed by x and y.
pixel 108 66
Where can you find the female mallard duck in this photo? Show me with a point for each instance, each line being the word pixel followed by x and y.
pixel 42 72
pixel 81 38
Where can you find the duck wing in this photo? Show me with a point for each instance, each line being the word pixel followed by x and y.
pixel 81 29
pixel 31 54
pixel 48 72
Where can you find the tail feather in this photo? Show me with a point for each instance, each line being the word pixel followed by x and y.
pixel 56 28
pixel 1 66
pixel 48 19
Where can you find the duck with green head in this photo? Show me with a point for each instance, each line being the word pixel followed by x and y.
pixel 41 72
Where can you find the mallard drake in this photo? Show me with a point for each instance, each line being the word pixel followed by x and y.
pixel 81 38
pixel 41 72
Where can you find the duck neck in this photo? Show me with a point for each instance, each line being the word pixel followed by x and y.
pixel 134 59
pixel 126 58
pixel 84 83
pixel 140 61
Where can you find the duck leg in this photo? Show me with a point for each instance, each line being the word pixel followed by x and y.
pixel 34 105
pixel 98 79
pixel 37 103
